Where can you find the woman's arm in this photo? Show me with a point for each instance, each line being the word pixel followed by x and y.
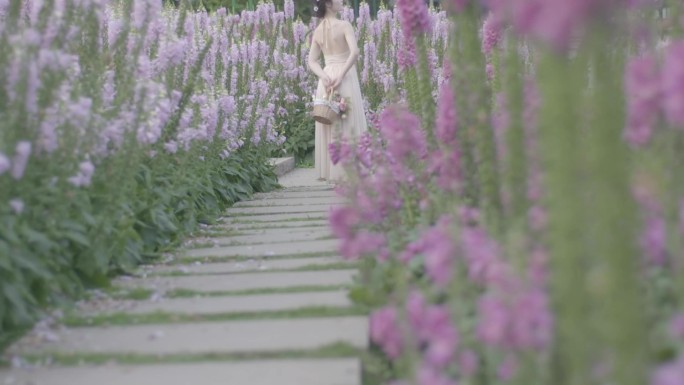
pixel 350 37
pixel 314 65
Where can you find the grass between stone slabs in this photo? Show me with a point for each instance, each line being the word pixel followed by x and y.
pixel 312 267
pixel 142 294
pixel 190 260
pixel 273 222
pixel 336 350
pixel 168 318
pixel 185 293
pixel 208 244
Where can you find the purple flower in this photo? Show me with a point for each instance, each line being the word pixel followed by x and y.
pixel 491 33
pixel 681 216
pixel 414 16
pixel 339 152
pixel 643 93
pixel 362 243
pixel 467 362
pixel 673 83
pixel 289 9
pixel 428 375
pixel 21 157
pixel 447 120
pixel 5 164
pixel 508 368
pixel 671 373
pixel 440 252
pixel 493 319
pixel 85 174
pixel 403 133
pixel 384 331
pixel 654 240
pixel 406 54
pixel 677 326
pixel 415 309
pixel 343 221
pixel 17 205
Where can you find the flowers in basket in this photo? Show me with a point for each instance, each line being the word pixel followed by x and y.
pixel 330 108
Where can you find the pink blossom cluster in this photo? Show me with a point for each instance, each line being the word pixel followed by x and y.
pixel 652 91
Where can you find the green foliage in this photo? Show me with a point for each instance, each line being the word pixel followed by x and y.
pixel 57 249
pixel 298 128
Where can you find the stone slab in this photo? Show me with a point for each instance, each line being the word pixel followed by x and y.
pixel 316 227
pixel 324 209
pixel 242 227
pixel 267 250
pixel 243 266
pixel 228 304
pixel 273 237
pixel 205 337
pixel 283 165
pixel 270 372
pixel 291 202
pixel 246 281
pixel 301 177
pixel 288 194
pixel 287 217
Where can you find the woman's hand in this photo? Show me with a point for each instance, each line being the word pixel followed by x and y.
pixel 326 81
pixel 334 83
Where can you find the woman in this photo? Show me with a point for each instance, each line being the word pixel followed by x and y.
pixel 337 41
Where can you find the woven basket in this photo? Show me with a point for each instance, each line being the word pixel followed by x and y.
pixel 325 111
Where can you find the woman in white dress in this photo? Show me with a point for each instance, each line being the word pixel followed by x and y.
pixel 336 39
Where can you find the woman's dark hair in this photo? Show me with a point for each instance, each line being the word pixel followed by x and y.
pixel 319 8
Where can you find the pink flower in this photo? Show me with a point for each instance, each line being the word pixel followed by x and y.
pixel 654 240
pixel 384 331
pixel 414 16
pixel 361 244
pixel 446 125
pixel 339 152
pixel 673 83
pixel 671 373
pixel 552 21
pixel 343 221
pixel 493 320
pixel 681 216
pixel 415 309
pixel 430 376
pixel 677 326
pixel 643 93
pixel 406 54
pixel 467 362
pixel 491 33
pixel 508 368
pixel 456 5
pixel 489 70
pixel 403 133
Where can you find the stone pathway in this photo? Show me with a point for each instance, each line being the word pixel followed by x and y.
pixel 259 299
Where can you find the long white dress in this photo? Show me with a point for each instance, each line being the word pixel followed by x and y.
pixel 348 129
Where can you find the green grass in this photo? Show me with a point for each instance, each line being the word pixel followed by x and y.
pixel 189 260
pixel 167 318
pixel 184 293
pixel 336 350
pixel 311 267
pixel 239 222
pixel 137 294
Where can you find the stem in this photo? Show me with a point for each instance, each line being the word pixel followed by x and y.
pixel 560 139
pixel 614 219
